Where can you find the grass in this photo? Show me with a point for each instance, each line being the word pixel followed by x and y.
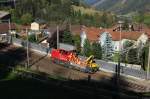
pixel 10 76
pixel 25 87
pixel 115 57
pixel 14 73
pixel 22 87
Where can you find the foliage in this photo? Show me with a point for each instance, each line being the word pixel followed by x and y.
pixel 107 47
pixel 147 19
pixel 77 42
pixel 127 44
pixel 142 18
pixel 50 10
pixel 104 20
pixel 94 49
pixel 56 11
pixel 32 38
pixel 14 16
pixel 119 7
pixel 87 49
pixel 93 18
pixel 144 58
pixel 26 18
pixel 97 50
pixel 132 57
pixel 115 57
pixel 67 38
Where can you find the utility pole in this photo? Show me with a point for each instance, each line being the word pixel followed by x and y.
pixel 148 62
pixel 9 25
pixel 57 36
pixel 9 32
pixel 27 48
pixel 120 29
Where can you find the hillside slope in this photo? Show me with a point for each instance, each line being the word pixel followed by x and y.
pixel 120 6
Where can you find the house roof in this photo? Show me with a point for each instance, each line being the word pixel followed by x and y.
pixel 91 32
pixel 3 14
pixel 4 27
pixel 94 33
pixel 132 35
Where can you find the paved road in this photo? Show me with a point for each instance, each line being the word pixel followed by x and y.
pixel 123 70
pixel 109 67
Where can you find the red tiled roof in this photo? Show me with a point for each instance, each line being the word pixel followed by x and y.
pixel 91 32
pixel 4 27
pixel 94 33
pixel 132 35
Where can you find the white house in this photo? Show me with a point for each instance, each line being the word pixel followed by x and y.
pixel 118 45
pixel 35 26
pixel 142 39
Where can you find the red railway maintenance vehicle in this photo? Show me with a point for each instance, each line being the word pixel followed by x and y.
pixel 71 60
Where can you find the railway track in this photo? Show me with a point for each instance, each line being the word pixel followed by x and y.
pixel 82 87
pixel 45 65
pixel 136 87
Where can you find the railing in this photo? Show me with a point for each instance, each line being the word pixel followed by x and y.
pixel 103 65
pixel 32 46
pixel 123 69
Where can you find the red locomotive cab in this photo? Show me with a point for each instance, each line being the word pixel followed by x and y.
pixel 59 54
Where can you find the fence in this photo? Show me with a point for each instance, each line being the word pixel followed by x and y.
pixel 103 65
pixel 127 71
pixel 32 46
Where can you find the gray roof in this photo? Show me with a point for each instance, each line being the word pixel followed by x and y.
pixel 66 47
pixel 3 13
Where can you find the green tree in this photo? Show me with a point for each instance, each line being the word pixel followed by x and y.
pixel 107 47
pixel 144 57
pixel 87 49
pixel 67 38
pixel 97 50
pixel 132 56
pixel 147 20
pixel 14 16
pixel 104 20
pixel 32 38
pixel 26 18
pixel 127 44
pixel 77 43
pixel 140 19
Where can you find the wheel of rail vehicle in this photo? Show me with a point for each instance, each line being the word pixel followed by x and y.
pixel 53 60
pixel 95 69
pixel 89 70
